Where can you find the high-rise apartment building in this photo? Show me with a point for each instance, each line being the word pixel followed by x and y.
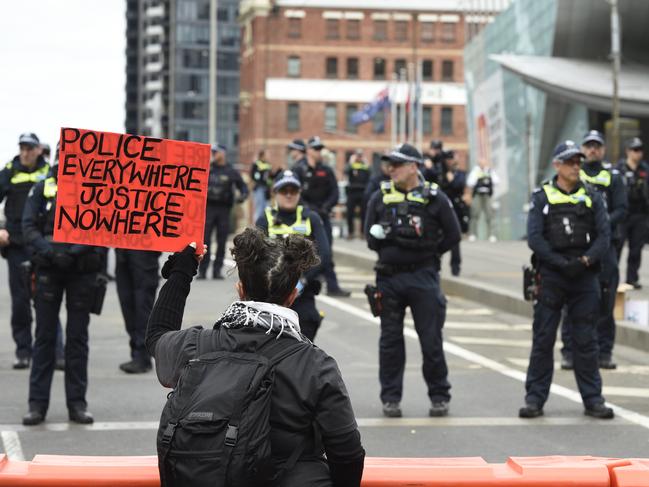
pixel 183 70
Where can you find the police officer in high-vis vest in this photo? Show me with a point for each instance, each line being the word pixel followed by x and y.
pixel 61 268
pixel 410 223
pixel 608 182
pixel 288 217
pixel 221 186
pixel 16 179
pixel 358 177
pixel 261 174
pixel 569 232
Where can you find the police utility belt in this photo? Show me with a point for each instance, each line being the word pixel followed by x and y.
pixel 392 269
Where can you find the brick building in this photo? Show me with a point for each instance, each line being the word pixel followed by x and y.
pixel 307 65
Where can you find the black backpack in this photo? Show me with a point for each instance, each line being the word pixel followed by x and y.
pixel 215 428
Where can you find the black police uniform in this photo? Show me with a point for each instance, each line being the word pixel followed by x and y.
pixel 220 198
pixel 15 184
pixel 320 194
pixel 608 182
pixel 136 277
pixel 420 226
pixel 455 191
pixel 306 222
pixel 60 267
pixel 635 227
pixel 358 176
pixel 562 227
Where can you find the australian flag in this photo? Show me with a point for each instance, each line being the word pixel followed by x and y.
pixel 380 102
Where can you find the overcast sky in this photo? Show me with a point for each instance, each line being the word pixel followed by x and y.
pixel 62 64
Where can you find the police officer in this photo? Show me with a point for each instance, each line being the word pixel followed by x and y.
pixel 16 179
pixel 60 267
pixel 358 176
pixel 434 162
pixel 608 182
pixel 297 153
pixel 375 182
pixel 410 223
pixel 223 181
pixel 569 232
pixel 481 181
pixel 136 277
pixel 320 194
pixel 262 175
pixel 288 217
pixel 635 228
pixel 452 182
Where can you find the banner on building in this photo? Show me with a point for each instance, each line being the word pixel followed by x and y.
pixel 130 191
pixel 491 128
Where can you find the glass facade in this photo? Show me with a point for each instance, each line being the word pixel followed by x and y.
pixel 527 27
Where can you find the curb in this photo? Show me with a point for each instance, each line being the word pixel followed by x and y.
pixel 627 333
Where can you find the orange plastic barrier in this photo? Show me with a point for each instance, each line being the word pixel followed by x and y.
pixel 634 474
pixel 551 471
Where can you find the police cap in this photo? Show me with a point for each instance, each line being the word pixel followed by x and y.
pixel 566 150
pixel 634 143
pixel 219 148
pixel 436 144
pixel 402 154
pixel 593 136
pixel 315 143
pixel 29 138
pixel 297 144
pixel 286 178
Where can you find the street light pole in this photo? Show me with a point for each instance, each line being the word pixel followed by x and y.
pixel 615 57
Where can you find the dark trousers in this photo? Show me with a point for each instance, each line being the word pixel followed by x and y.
pixel 354 200
pixel 581 296
pixel 609 278
pixel 635 229
pixel 421 292
pixel 308 314
pixel 217 218
pixel 136 276
pixel 328 271
pixel 79 290
pixel 21 308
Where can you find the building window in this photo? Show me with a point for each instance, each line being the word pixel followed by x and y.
pixel 293 67
pixel 378 122
pixel 427 120
pixel 447 121
pixel 379 68
pixel 401 30
pixel 447 70
pixel 333 29
pixel 331 117
pixel 353 29
pixel 427 70
pixel 293 117
pixel 331 67
pixel 349 111
pixel 294 27
pixel 352 68
pixel 380 30
pixel 427 31
pixel 228 61
pixel 448 32
pixel 400 64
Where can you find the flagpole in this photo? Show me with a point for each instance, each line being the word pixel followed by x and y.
pixel 420 109
pixel 403 88
pixel 413 101
pixel 393 111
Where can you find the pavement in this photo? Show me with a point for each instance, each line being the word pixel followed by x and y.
pixel 491 274
pixel 487 350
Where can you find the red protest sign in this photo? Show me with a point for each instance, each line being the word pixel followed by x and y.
pixel 130 191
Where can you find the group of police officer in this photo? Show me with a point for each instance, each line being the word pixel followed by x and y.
pixel 413 212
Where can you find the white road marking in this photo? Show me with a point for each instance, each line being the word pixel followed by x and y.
pixel 626 391
pixel 488 363
pixel 502 342
pixel 469 312
pixel 11 445
pixel 477 325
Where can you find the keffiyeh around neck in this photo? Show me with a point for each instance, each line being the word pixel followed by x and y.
pixel 271 317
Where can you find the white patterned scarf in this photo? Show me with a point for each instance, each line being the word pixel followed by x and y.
pixel 271 317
